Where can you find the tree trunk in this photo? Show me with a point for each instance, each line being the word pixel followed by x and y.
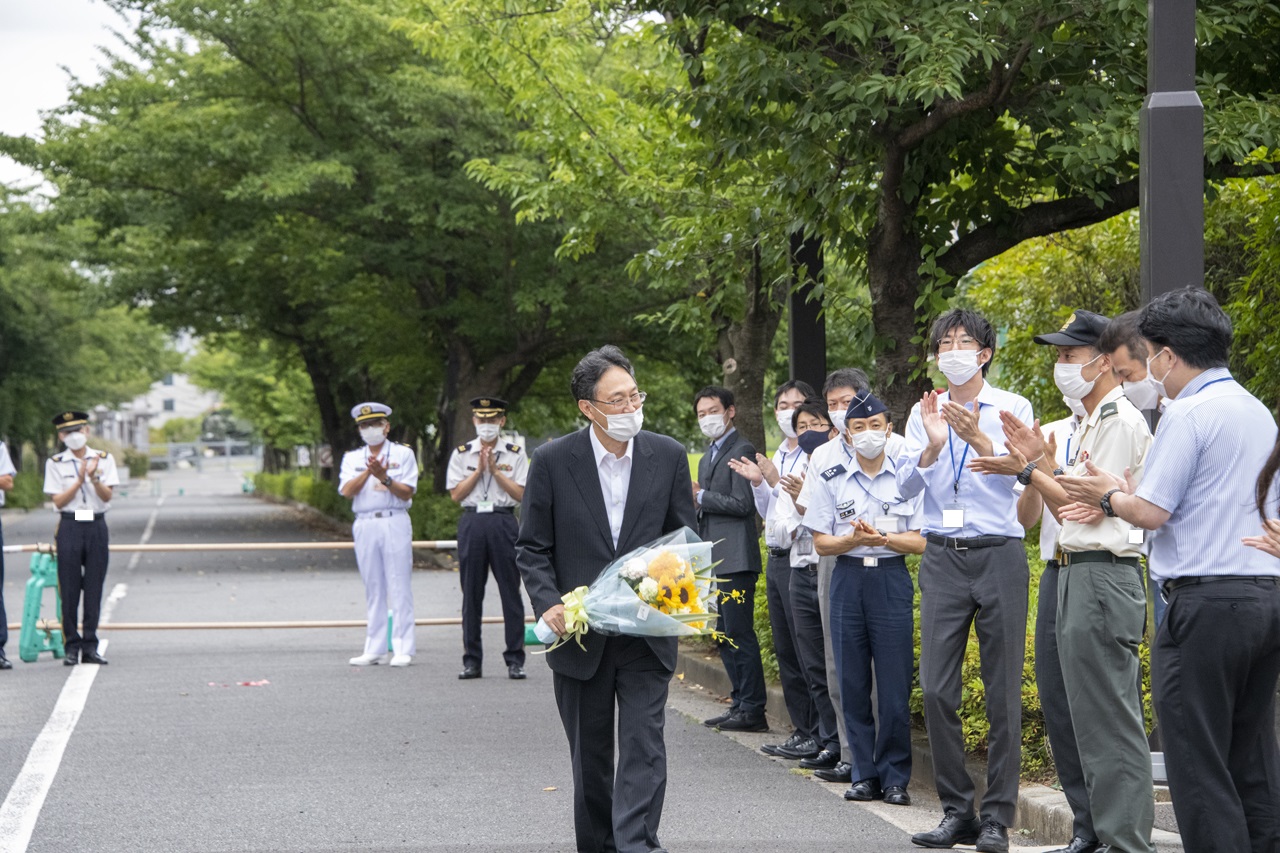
pixel 807 329
pixel 744 352
pixel 334 428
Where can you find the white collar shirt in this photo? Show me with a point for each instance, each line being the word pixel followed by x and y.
pixel 843 493
pixel 401 465
pixel 615 481
pixel 62 469
pixel 508 458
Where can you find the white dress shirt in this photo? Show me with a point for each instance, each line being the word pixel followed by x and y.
pixel 615 481
pixel 401 465
pixel 63 469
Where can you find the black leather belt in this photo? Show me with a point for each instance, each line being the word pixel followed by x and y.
pixel 1177 583
pixel 779 552
pixel 896 562
pixel 1066 558
pixel 71 515
pixel 957 544
pixel 507 510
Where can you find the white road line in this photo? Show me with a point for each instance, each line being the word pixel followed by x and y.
pixel 21 809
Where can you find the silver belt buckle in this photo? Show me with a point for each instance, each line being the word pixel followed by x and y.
pixel 956 546
pixel 870 562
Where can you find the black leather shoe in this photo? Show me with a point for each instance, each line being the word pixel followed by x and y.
pixel 718 719
pixel 4 663
pixel 93 657
pixel 824 760
pixel 741 722
pixel 896 795
pixel 469 672
pixel 1080 845
pixel 864 791
pixel 789 743
pixel 841 773
pixel 805 749
pixel 71 659
pixel 515 671
pixel 952 831
pixel 992 838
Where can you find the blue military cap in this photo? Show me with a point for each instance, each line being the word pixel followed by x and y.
pixel 370 412
pixel 864 407
pixel 70 420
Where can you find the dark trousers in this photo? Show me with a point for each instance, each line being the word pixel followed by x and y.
pixel 984 588
pixel 741 661
pixel 82 570
pixel 872 621
pixel 4 618
pixel 617 812
pixel 488 540
pixel 810 646
pixel 795 690
pixel 1215 666
pixel 1057 712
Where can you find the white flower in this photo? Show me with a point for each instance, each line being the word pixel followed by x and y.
pixel 648 589
pixel 634 569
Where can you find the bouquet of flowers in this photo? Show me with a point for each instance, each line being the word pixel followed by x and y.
pixel 663 589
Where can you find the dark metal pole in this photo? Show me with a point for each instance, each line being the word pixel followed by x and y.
pixel 1171 170
pixel 807 343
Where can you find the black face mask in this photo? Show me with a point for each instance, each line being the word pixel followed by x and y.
pixel 811 440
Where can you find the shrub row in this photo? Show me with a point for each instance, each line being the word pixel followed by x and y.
pixel 432 516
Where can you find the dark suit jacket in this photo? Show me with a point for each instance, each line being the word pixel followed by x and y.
pixel 565 540
pixel 728 512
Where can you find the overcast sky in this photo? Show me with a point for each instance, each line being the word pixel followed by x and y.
pixel 40 40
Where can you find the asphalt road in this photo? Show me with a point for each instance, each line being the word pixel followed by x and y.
pixel 172 753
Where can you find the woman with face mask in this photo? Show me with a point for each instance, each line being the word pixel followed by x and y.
pixel 380 480
pixel 487 477
pixel 81 481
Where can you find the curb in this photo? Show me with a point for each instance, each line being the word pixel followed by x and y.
pixel 1042 811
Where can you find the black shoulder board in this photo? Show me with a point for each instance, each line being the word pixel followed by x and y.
pixel 1108 409
pixel 514 448
pixel 835 471
pixel 462 448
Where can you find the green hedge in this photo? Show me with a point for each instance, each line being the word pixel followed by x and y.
pixel 28 491
pixel 432 516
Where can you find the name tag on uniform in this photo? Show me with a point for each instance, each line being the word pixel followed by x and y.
pixel 1135 535
pixel 953 516
pixel 484 506
pixel 84 515
pixel 888 523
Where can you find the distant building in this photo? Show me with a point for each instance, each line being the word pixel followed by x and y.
pixel 174 396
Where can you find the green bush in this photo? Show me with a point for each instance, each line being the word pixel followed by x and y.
pixel 28 491
pixel 432 516
pixel 137 462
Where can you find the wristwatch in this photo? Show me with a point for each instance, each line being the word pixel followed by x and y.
pixel 386 481
pixel 1105 503
pixel 1058 472
pixel 1025 477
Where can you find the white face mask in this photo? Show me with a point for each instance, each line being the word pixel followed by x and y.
pixel 712 426
pixel 784 422
pixel 1144 394
pixel 372 435
pixel 75 440
pixel 959 365
pixel 1076 407
pixel 1070 382
pixel 837 418
pixel 870 443
pixel 1158 384
pixel 488 432
pixel 623 427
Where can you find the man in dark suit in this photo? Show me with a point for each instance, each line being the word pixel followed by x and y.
pixel 591 497
pixel 727 517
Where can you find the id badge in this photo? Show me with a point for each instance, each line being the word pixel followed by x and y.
pixel 1136 535
pixel 953 515
pixel 484 506
pixel 84 515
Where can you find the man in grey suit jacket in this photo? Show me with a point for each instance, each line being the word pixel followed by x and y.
pixel 727 517
pixel 591 497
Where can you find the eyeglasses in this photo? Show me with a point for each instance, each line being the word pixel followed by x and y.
pixel 956 343
pixel 637 399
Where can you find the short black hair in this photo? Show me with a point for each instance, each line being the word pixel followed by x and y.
pixel 1123 332
pixel 797 384
pixel 724 395
pixel 816 408
pixel 1191 323
pixel 587 373
pixel 978 327
pixel 846 377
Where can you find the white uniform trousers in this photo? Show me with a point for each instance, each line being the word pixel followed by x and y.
pixel 384 553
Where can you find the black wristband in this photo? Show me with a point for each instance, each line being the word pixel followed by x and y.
pixel 1058 472
pixel 1025 477
pixel 1105 503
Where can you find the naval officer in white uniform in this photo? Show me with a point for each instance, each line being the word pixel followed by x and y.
pixel 380 480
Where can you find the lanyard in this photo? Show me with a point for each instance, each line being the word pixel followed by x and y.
pixel 884 505
pixel 87 501
pixel 799 451
pixel 1214 382
pixel 956 471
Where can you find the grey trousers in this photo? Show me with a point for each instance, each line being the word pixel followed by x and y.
pixel 984 588
pixel 1102 610
pixel 826 565
pixel 795 690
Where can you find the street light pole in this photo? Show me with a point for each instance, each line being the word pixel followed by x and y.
pixel 1171 160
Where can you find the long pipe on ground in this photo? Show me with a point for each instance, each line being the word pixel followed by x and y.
pixel 217 626
pixel 429 544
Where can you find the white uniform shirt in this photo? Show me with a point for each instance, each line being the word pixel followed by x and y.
pixel 835 452
pixel 615 481
pixel 510 459
pixel 62 469
pixel 842 493
pixel 787 461
pixel 6 466
pixel 1063 432
pixel 401 465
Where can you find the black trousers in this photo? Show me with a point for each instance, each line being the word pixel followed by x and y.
pixel 795 690
pixel 4 618
pixel 1214 672
pixel 1053 702
pixel 617 812
pixel 812 651
pixel 741 661
pixel 82 572
pixel 488 540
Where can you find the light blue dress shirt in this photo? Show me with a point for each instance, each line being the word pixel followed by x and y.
pixel 844 493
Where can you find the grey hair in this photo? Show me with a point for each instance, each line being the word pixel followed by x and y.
pixel 846 377
pixel 587 373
